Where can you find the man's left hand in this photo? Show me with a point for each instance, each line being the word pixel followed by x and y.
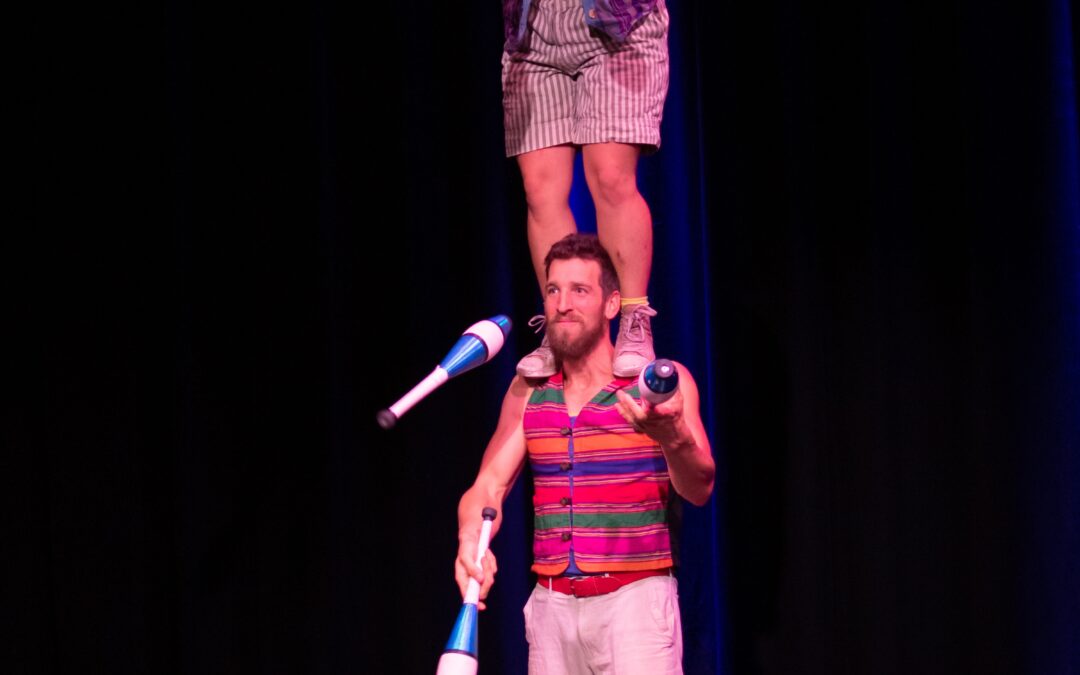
pixel 663 423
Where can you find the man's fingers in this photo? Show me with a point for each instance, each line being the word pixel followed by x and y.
pixel 629 408
pixel 465 570
pixel 462 576
pixel 491 567
pixel 672 406
pixel 465 566
pixel 645 418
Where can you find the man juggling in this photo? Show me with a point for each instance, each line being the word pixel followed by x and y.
pixel 607 467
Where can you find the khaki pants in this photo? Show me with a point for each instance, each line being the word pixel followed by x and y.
pixel 634 630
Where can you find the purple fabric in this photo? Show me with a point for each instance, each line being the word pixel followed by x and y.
pixel 511 21
pixel 616 18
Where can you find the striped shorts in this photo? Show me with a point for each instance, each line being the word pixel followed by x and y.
pixel 572 85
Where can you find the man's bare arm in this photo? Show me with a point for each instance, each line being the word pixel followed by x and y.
pixel 502 463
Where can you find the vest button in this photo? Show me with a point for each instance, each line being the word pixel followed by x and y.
pixel 565 431
pixel 566 536
pixel 565 501
pixel 566 466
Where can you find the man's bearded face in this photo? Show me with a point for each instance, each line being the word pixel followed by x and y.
pixel 574 308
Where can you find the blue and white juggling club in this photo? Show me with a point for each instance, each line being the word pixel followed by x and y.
pixel 658 381
pixel 460 655
pixel 478 344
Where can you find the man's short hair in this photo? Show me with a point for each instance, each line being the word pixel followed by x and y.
pixel 585 247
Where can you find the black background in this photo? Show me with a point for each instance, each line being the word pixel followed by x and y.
pixel 251 226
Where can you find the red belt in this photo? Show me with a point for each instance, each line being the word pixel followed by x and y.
pixel 585 587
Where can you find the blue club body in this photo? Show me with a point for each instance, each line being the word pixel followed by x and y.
pixel 470 350
pixel 463 639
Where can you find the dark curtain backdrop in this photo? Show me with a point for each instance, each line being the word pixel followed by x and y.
pixel 251 226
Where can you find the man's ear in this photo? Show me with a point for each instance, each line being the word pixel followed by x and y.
pixel 612 305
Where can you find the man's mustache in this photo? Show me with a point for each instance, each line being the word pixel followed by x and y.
pixel 567 317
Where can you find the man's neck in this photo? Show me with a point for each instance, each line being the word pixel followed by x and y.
pixel 591 371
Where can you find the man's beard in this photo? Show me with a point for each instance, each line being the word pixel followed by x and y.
pixel 571 348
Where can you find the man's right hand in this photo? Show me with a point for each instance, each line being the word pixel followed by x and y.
pixel 465 567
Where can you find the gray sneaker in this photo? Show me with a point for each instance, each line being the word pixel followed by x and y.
pixel 633 347
pixel 541 361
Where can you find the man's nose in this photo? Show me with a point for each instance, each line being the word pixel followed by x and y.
pixel 564 303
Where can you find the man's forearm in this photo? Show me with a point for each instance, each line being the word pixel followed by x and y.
pixel 690 466
pixel 470 510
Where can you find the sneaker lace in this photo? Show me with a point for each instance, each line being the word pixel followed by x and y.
pixel 636 325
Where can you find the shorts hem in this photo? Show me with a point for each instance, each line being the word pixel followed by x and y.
pixel 649 142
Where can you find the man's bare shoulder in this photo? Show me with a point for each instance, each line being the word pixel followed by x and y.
pixel 527 384
pixel 518 393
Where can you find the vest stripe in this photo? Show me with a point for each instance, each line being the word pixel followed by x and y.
pixel 642 465
pixel 602 520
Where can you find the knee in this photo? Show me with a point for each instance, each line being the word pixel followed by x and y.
pixel 545 190
pixel 613 185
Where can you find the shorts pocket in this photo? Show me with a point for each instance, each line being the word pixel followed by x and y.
pixel 662 597
pixel 527 611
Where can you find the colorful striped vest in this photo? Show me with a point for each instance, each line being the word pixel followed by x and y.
pixel 610 500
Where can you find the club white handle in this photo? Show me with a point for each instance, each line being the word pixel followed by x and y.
pixel 389 417
pixel 437 378
pixel 472 592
